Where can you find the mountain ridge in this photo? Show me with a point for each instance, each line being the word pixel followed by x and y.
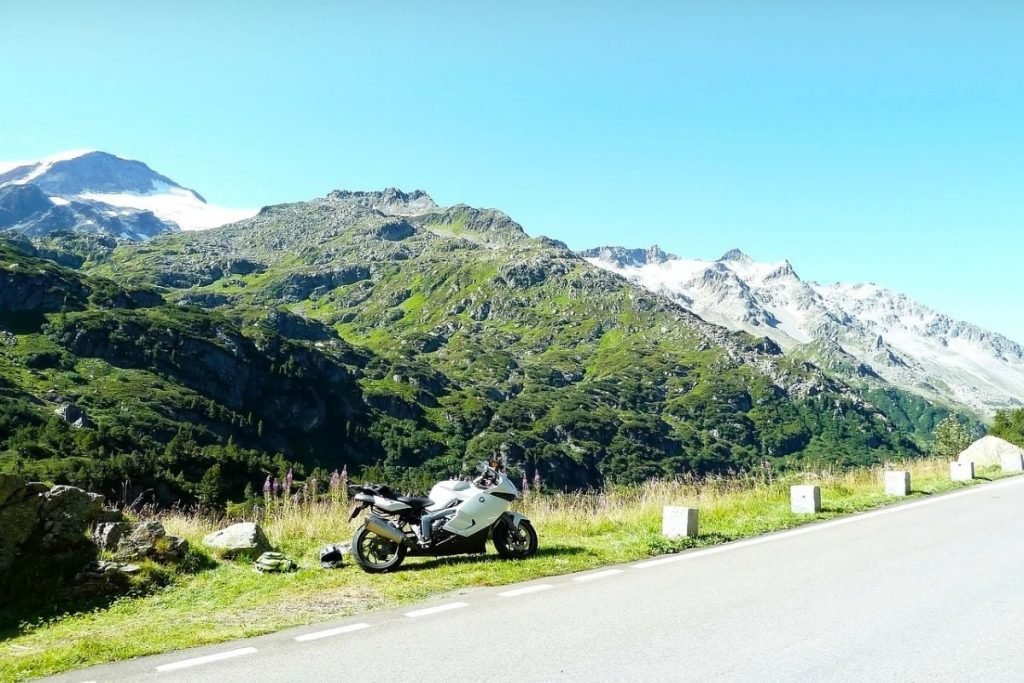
pixel 94 191
pixel 890 335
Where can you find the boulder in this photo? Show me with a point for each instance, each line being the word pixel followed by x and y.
pixel 108 535
pixel 150 540
pixel 245 538
pixel 103 577
pixel 69 412
pixel 989 450
pixel 67 513
pixel 43 537
pixel 144 534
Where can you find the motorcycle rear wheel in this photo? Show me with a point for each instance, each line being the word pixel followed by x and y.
pixel 375 554
pixel 515 544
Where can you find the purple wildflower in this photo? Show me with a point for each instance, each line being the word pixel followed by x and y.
pixel 268 486
pixel 289 479
pixel 335 481
pixel 526 484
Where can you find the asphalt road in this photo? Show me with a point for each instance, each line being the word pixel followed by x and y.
pixel 922 591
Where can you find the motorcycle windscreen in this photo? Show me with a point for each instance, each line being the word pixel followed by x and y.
pixel 479 512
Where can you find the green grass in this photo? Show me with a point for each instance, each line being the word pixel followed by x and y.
pixel 577 532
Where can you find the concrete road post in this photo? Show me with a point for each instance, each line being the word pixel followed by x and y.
pixel 961 471
pixel 897 483
pixel 805 499
pixel 678 522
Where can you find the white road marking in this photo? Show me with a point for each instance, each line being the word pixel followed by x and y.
pixel 196 661
pixel 824 525
pixel 434 610
pixel 597 575
pixel 317 635
pixel 524 591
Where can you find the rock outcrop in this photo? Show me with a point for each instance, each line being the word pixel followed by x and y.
pixel 43 533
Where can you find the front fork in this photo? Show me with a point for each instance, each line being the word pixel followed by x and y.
pixel 512 519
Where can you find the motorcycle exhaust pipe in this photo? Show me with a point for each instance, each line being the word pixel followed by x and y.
pixel 384 529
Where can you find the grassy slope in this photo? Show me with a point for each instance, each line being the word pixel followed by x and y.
pixel 578 532
pixel 484 339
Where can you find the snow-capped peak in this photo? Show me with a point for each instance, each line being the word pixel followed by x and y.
pixel 29 170
pixel 116 187
pixel 735 255
pixel 897 338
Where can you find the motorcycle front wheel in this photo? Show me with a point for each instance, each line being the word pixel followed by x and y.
pixel 375 554
pixel 515 544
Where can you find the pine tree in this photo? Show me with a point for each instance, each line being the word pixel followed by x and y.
pixel 211 487
pixel 950 438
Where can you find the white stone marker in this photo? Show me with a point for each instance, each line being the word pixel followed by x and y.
pixel 678 522
pixel 1012 462
pixel 961 471
pixel 897 483
pixel 805 499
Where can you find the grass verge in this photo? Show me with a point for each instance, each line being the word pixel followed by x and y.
pixel 577 532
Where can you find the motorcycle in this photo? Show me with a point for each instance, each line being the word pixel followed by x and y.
pixel 457 518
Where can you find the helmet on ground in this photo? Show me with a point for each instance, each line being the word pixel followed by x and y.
pixel 331 556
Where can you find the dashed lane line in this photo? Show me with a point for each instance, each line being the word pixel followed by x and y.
pixel 196 661
pixel 526 590
pixel 435 610
pixel 317 635
pixel 594 576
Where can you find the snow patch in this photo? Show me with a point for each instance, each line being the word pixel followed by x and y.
pixel 176 205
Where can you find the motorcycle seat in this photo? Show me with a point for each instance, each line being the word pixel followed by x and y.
pixel 415 503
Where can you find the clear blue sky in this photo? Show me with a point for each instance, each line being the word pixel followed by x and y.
pixel 863 141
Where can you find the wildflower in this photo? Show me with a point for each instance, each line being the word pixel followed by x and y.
pixel 335 481
pixel 526 484
pixel 268 486
pixel 289 479
pixel 537 481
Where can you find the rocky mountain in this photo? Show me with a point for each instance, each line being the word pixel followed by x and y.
pixel 87 191
pixel 862 331
pixel 404 339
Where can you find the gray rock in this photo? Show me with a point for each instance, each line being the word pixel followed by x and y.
pixel 150 540
pixel 43 530
pixel 67 513
pixel 108 535
pixel 70 413
pixel 245 538
pixel 106 567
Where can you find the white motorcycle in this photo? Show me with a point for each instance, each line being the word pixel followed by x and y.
pixel 457 518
